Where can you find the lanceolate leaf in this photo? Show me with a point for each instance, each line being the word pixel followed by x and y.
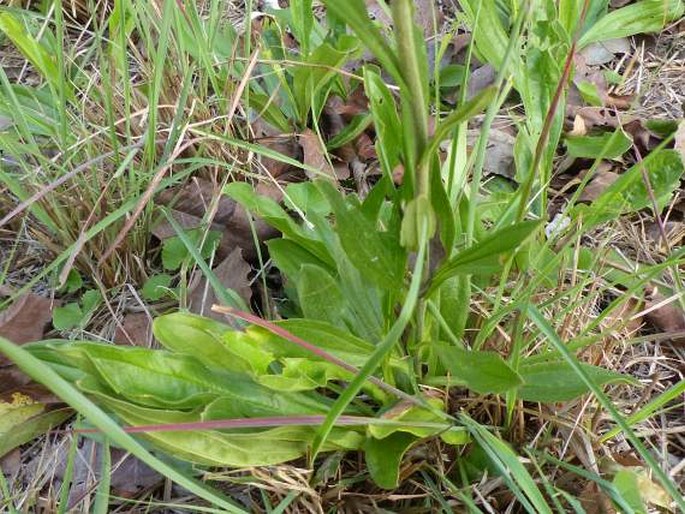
pixel 482 372
pixel 376 254
pixel 556 381
pixel 320 296
pixel 355 14
pixel 483 257
pixel 628 193
pixel 637 18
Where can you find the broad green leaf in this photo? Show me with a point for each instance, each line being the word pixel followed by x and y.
pixel 555 381
pixel 306 197
pixel 274 215
pixel 156 287
pixel 542 74
pixel 610 145
pixel 637 18
pixel 67 316
pixel 627 485
pixel 376 254
pixel 324 335
pixel 590 93
pixel 490 33
pixel 44 374
pixel 174 251
pixel 484 257
pixel 629 194
pixel 289 257
pixel 414 420
pixel 302 18
pixel 213 343
pixel 383 457
pixel 355 14
pixel 161 379
pixel 311 80
pixel 319 295
pixel 482 372
pixel 208 447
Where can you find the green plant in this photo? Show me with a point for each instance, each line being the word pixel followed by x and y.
pixel 380 289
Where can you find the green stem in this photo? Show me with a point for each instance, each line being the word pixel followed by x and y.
pixel 417 95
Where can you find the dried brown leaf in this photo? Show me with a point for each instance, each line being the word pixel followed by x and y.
pixel 665 314
pixel 499 156
pixel 233 273
pixel 25 320
pixel 314 153
pixel 679 140
pixel 136 330
pixel 191 202
pixel 598 185
pixel 594 501
pixel 579 127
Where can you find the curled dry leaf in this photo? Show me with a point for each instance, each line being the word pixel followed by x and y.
pixel 499 156
pixel 603 52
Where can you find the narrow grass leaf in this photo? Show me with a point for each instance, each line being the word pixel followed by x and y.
pixel 549 332
pixel 510 468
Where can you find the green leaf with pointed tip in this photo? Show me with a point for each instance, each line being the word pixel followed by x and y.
pixel 30 47
pixel 377 255
pixel 355 14
pixel 629 194
pixel 555 381
pixel 611 145
pixel 482 372
pixel 637 18
pixel 289 257
pixel 485 257
pixel 275 215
